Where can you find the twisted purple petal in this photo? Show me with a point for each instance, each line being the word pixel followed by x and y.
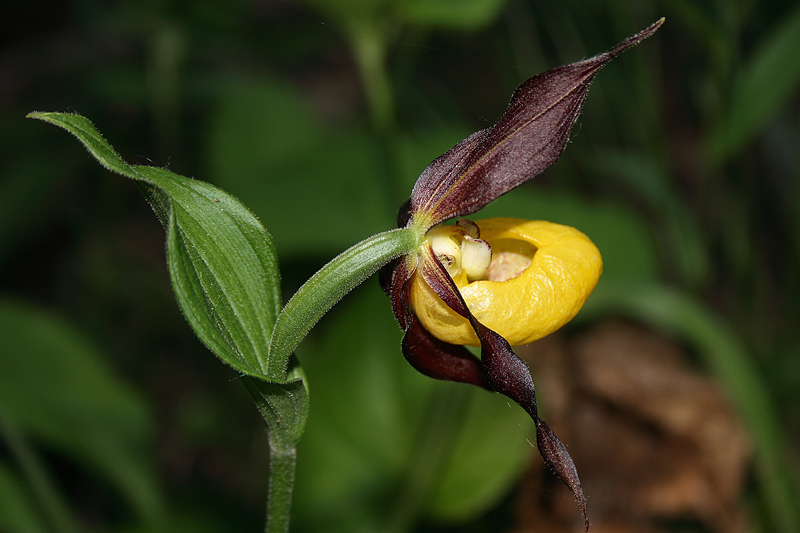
pixel 502 371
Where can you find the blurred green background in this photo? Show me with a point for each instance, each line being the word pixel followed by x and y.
pixel 319 115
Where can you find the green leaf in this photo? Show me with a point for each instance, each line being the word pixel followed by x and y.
pixel 221 260
pixel 726 357
pixel 223 268
pixel 224 273
pixel 56 387
pixel 768 80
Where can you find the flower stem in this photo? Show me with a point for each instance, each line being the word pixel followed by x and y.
pixel 284 407
pixel 281 483
pixel 325 288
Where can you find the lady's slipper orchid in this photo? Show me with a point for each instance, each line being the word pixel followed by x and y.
pixel 523 279
pixel 498 282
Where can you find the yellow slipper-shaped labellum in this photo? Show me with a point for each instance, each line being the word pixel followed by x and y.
pixel 539 277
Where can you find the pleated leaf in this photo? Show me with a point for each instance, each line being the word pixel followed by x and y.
pixel 222 261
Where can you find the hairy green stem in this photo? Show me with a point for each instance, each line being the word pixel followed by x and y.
pixel 284 407
pixel 281 484
pixel 328 286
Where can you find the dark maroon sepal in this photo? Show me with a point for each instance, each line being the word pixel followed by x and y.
pixel 395 283
pixel 437 278
pixel 404 214
pixel 527 139
pixel 386 275
pixel 506 373
pixel 502 371
pixel 558 459
pixel 441 360
pixel 429 355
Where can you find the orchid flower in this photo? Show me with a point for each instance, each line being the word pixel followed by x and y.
pixel 490 283
pixel 498 282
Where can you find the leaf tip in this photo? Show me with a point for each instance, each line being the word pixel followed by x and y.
pixel 38 115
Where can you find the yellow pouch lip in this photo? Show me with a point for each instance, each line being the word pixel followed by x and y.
pixel 565 268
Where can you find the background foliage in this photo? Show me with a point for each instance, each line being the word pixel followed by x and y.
pixel 319 115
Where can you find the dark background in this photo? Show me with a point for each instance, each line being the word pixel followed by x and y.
pixel 319 115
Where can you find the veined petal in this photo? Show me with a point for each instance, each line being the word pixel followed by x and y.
pixel 527 139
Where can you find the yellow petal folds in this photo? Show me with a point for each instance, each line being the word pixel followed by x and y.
pixel 538 279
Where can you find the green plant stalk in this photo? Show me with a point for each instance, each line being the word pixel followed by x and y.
pixel 282 463
pixel 325 288
pixel 283 439
pixel 284 407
